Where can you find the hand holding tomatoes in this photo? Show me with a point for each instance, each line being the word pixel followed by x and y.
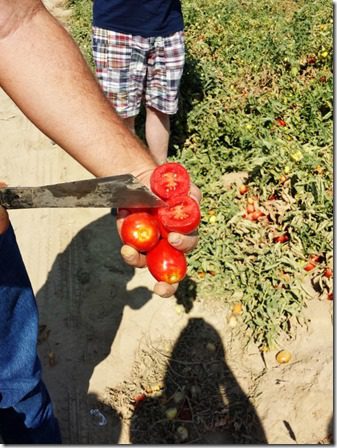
pixel 173 181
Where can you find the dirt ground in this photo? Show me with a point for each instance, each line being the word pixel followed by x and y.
pixel 158 370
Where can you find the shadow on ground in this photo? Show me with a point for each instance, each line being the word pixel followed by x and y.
pixel 81 307
pixel 201 403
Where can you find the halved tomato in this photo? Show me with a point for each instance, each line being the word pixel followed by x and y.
pixel 170 179
pixel 182 214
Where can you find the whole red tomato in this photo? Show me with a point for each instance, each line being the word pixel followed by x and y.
pixel 170 179
pixel 166 263
pixel 141 231
pixel 181 214
pixel 309 267
pixel 281 122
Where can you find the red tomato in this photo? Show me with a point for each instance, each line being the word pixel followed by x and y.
pixel 281 122
pixel 166 263
pixel 170 179
pixel 281 238
pixel 328 273
pixel 250 208
pixel 141 231
pixel 315 258
pixel 163 232
pixel 243 189
pixel 330 296
pixel 182 215
pixel 256 215
pixel 309 267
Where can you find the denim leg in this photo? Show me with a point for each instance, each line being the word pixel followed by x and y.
pixel 24 401
pixel 31 421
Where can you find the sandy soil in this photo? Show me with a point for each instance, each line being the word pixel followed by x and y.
pixel 105 339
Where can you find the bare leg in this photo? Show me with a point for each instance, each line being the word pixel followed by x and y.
pixel 130 123
pixel 157 131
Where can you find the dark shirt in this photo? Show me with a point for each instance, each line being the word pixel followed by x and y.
pixel 147 18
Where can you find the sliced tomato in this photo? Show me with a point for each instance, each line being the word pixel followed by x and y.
pixel 182 215
pixel 170 179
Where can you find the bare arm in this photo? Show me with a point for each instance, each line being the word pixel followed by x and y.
pixel 43 71
pixel 58 92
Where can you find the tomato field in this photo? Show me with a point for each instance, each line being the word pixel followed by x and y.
pixel 254 130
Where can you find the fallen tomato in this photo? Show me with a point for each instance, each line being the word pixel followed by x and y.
pixel 170 179
pixel 281 122
pixel 316 258
pixel 255 216
pixel 281 238
pixel 309 267
pixel 166 263
pixel 243 189
pixel 141 231
pixel 328 273
pixel 182 214
pixel 250 208
pixel 283 357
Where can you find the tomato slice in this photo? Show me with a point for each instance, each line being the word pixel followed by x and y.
pixel 170 179
pixel 166 263
pixel 182 215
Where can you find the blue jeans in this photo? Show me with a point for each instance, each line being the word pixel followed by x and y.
pixel 26 413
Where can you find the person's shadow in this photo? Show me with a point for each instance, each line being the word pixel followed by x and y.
pixel 81 307
pixel 202 403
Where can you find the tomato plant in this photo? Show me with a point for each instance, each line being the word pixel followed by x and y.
pixel 170 179
pixel 141 231
pixel 182 215
pixel 166 263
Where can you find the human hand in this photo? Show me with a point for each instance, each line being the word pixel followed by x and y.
pixel 184 243
pixel 4 219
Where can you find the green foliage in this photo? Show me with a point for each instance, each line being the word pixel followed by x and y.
pixel 248 66
pixel 80 25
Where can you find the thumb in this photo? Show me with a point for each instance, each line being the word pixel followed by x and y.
pixel 4 220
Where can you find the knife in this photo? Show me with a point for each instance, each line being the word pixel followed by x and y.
pixel 113 191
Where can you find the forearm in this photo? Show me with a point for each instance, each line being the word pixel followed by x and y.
pixel 45 74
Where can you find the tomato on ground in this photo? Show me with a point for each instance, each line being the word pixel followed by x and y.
pixel 243 189
pixel 281 238
pixel 182 214
pixel 170 179
pixel 141 231
pixel 328 273
pixel 309 267
pixel 166 263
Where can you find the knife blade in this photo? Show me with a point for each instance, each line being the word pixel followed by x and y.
pixel 113 191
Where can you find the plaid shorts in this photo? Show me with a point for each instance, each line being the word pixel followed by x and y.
pixel 134 68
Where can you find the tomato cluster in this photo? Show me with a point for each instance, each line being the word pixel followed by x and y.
pixel 147 229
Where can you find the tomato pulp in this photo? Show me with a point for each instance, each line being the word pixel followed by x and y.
pixel 182 215
pixel 166 263
pixel 170 179
pixel 141 231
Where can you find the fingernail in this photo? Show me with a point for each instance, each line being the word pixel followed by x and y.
pixel 174 239
pixel 127 252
